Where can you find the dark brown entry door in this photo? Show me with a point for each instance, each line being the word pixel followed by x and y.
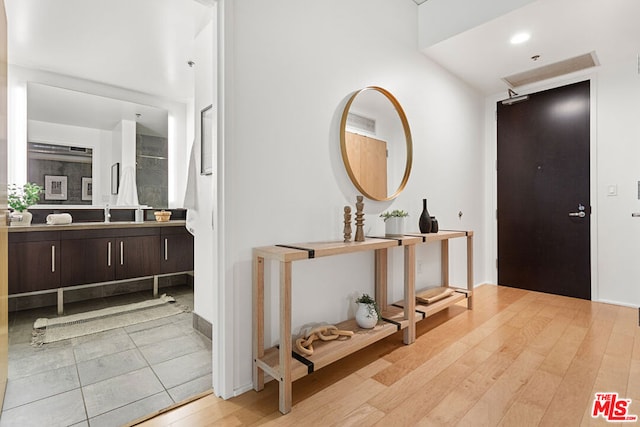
pixel 543 192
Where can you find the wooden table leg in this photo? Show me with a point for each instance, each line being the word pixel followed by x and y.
pixel 410 293
pixel 285 337
pixel 470 269
pixel 381 278
pixel 258 321
pixel 444 262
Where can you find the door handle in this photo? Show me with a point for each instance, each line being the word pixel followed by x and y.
pixel 166 249
pixel 109 254
pixel 580 214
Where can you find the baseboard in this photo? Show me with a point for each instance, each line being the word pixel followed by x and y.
pixel 242 389
pixel 623 304
pixel 202 325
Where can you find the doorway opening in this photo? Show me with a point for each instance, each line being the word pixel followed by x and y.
pixel 142 405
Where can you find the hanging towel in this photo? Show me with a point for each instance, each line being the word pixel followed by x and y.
pixel 128 192
pixel 191 192
pixel 58 219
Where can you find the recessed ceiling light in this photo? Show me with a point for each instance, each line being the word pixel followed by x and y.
pixel 520 38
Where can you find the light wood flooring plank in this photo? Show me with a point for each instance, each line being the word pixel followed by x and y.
pixel 574 393
pixel 519 358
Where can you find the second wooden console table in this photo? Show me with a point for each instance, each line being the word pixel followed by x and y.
pixel 284 364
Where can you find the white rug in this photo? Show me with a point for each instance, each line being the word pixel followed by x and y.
pixel 76 325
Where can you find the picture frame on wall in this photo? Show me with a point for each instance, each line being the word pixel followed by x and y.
pixel 115 178
pixel 87 188
pixel 55 187
pixel 206 141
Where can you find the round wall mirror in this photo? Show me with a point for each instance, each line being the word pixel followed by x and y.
pixel 375 141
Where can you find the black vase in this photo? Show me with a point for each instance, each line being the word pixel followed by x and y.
pixel 425 219
pixel 434 225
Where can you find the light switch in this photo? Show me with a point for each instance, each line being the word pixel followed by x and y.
pixel 612 190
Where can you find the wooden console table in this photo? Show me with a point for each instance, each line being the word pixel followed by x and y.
pixel 284 364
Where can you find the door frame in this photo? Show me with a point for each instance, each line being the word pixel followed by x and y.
pixel 491 175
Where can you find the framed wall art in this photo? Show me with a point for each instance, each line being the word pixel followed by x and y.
pixel 87 188
pixel 55 187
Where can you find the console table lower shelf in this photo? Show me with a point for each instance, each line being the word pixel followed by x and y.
pixel 326 352
pixel 426 310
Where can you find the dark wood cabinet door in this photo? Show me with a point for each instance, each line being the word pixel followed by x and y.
pixel 87 261
pixel 34 266
pixel 177 251
pixel 137 256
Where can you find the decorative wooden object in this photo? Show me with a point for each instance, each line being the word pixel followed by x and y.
pixel 347 223
pixel 304 344
pixel 359 220
pixel 286 365
pixel 162 216
pixel 432 295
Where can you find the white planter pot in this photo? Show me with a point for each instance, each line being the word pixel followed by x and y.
pixel 394 226
pixel 21 219
pixel 366 316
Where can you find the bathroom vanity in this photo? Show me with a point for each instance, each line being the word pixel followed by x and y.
pixel 57 258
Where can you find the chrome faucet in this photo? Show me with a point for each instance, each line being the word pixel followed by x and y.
pixel 107 214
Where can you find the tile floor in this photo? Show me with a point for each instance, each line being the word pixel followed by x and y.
pixel 105 379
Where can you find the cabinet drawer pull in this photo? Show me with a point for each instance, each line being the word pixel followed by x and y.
pixel 166 249
pixel 121 252
pixel 109 254
pixel 53 258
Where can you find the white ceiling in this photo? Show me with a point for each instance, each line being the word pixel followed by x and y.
pixel 560 29
pixel 142 45
pixel 68 107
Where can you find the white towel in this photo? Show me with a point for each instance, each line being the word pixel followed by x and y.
pixel 191 192
pixel 59 219
pixel 128 192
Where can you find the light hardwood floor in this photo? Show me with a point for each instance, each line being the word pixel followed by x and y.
pixel 519 358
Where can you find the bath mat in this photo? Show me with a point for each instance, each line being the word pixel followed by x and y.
pixel 77 325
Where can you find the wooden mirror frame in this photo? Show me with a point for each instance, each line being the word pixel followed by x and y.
pixel 407 133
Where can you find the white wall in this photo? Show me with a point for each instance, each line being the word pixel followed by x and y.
pixel 205 252
pixel 116 154
pixel 289 68
pixel 618 163
pixel 17 122
pixel 615 152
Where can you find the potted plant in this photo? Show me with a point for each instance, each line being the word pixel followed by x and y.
pixel 394 222
pixel 368 313
pixel 20 198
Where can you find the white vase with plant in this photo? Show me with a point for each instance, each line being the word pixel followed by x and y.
pixel 368 313
pixel 394 222
pixel 20 199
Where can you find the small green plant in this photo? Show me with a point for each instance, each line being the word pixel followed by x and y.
pixel 372 305
pixel 395 213
pixel 20 198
